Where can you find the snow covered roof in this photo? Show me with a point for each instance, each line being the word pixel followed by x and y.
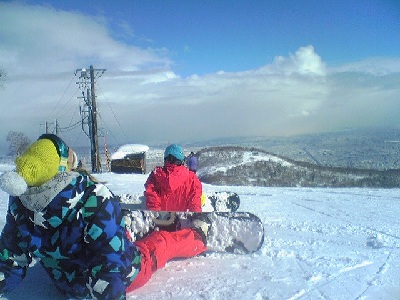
pixel 129 149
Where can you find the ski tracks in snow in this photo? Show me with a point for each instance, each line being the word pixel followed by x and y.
pixel 329 247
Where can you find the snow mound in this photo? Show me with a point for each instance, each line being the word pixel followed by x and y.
pixel 129 149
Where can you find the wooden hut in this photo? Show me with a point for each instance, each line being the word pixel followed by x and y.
pixel 130 158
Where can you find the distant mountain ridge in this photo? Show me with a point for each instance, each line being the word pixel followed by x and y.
pixel 364 148
pixel 247 166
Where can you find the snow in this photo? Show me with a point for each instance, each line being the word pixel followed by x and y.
pixel 129 149
pixel 320 243
pixel 249 156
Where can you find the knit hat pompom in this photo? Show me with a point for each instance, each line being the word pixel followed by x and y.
pixel 13 184
pixel 39 163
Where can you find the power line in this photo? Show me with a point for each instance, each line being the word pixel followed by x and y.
pixel 114 116
pixel 62 96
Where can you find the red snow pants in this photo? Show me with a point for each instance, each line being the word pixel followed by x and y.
pixel 162 246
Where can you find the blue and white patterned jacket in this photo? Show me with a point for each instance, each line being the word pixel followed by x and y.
pixel 74 226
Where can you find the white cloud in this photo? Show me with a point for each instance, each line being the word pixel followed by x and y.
pixel 377 66
pixel 42 39
pixel 304 62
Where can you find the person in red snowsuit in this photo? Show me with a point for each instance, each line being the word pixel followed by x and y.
pixel 173 187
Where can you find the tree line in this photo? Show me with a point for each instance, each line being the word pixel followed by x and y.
pixel 227 166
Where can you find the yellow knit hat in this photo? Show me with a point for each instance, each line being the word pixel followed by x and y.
pixel 39 163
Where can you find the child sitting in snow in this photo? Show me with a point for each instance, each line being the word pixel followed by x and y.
pixel 73 225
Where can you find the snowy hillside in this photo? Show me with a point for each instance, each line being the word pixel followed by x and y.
pixel 233 165
pixel 319 244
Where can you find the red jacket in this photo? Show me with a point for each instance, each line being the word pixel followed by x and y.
pixel 173 188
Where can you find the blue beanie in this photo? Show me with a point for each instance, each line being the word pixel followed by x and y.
pixel 174 150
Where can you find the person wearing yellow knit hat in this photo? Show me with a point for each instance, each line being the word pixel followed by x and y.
pixel 42 160
pixel 76 228
pixel 38 164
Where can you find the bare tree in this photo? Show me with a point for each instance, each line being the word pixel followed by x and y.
pixel 19 142
pixel 3 76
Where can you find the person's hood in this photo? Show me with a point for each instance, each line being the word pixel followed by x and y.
pixel 37 198
pixel 170 177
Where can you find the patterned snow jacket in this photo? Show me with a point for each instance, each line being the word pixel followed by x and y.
pixel 75 228
pixel 173 188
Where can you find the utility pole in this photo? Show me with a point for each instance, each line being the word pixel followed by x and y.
pixel 86 84
pixel 47 127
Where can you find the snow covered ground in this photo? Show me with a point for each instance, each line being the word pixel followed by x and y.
pixel 319 244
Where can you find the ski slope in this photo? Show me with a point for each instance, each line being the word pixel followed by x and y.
pixel 319 244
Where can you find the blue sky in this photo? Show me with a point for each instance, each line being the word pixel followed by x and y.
pixel 207 36
pixel 197 70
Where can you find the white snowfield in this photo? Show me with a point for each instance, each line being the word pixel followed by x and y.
pixel 319 244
